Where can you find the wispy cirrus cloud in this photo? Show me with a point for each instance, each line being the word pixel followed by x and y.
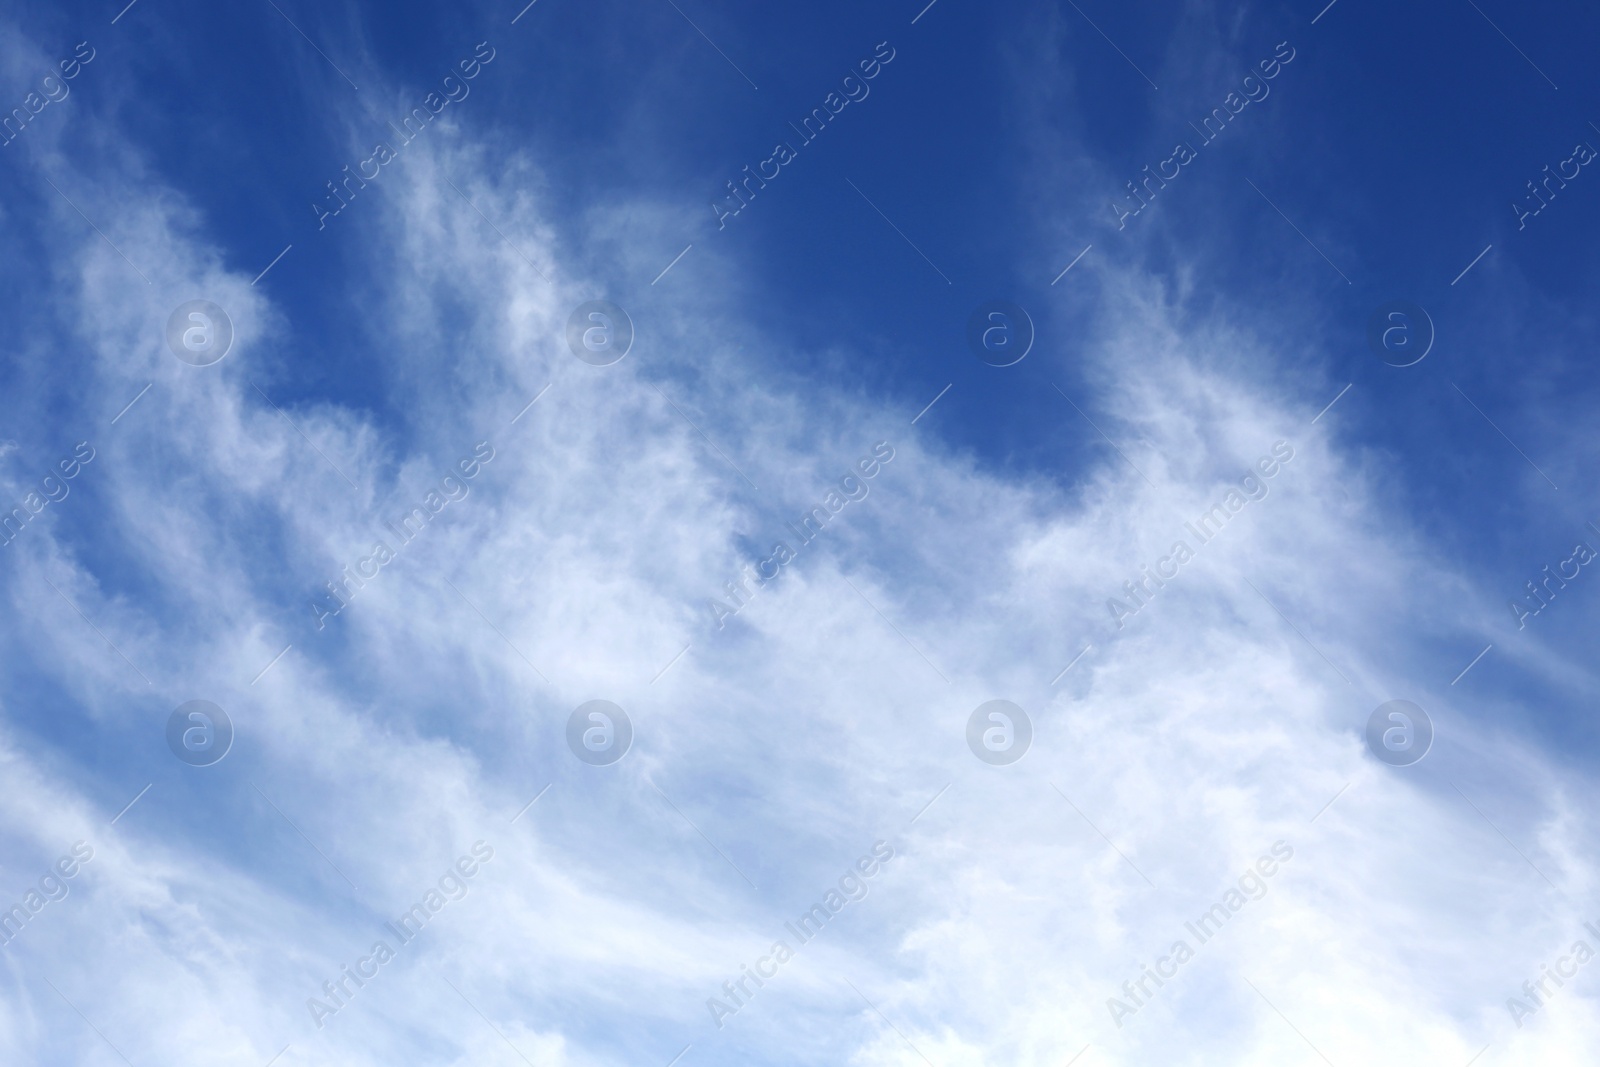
pixel 1224 717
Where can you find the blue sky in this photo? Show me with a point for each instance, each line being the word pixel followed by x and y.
pixel 585 518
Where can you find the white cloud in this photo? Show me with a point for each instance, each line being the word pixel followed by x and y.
pixel 1193 739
